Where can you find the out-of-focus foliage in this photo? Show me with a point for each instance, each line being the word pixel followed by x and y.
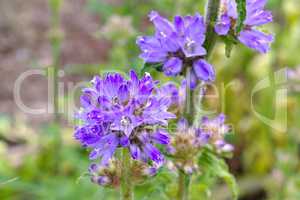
pixel 265 162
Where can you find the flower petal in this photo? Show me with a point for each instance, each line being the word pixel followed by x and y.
pixel 182 125
pixel 153 153
pixel 256 40
pixel 123 93
pixel 135 151
pixel 172 67
pixel 153 57
pixel 179 25
pixel 204 71
pixel 258 18
pixel 161 137
pixel 223 25
pixel 163 26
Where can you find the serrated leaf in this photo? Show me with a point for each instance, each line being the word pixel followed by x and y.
pixel 241 9
pixel 215 166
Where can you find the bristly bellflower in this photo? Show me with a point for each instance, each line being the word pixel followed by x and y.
pixel 216 129
pixel 256 16
pixel 185 145
pixel 188 141
pixel 177 46
pixel 121 113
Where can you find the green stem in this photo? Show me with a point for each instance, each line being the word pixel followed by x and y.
pixel 211 18
pixel 55 40
pixel 126 190
pixel 189 114
pixel 55 37
pixel 183 186
pixel 189 110
pixel 55 94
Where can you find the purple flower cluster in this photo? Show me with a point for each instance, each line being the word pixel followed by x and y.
pixel 255 16
pixel 178 45
pixel 185 146
pixel 188 141
pixel 117 112
pixel 216 129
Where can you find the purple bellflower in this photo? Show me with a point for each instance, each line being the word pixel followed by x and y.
pixel 177 45
pixel 121 113
pixel 256 16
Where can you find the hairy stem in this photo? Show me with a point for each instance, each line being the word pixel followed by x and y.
pixel 189 110
pixel 211 18
pixel 189 114
pixel 126 189
pixel 190 107
pixel 183 186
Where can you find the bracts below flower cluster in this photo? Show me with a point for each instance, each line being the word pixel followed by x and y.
pixel 110 175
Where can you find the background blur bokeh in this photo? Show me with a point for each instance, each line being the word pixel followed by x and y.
pixel 39 158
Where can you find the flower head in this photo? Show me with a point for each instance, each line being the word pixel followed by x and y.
pixel 110 175
pixel 185 146
pixel 256 16
pixel 178 45
pixel 216 129
pixel 106 175
pixel 121 113
pixel 188 142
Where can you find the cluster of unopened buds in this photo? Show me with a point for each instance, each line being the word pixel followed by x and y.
pixel 110 175
pixel 187 142
pixel 185 146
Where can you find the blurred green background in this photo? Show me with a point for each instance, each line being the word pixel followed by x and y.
pixel 39 158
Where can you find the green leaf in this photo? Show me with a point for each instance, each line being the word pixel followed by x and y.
pixel 149 66
pixel 241 9
pixel 158 187
pixel 229 41
pixel 216 166
pixel 228 47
